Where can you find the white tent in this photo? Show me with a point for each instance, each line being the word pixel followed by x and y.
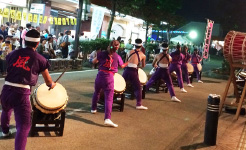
pixel 181 40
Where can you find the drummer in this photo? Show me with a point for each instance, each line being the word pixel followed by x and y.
pixel 187 58
pixel 24 67
pixel 108 65
pixel 177 58
pixel 161 63
pixel 130 74
pixel 195 60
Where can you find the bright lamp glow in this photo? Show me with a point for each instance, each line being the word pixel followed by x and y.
pixel 193 34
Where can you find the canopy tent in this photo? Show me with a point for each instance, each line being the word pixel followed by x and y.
pixel 181 40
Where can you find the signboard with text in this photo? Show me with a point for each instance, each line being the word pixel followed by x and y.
pixel 208 34
pixel 37 8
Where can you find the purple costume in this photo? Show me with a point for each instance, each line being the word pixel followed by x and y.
pixel 195 59
pixel 24 66
pixel 176 63
pixel 184 68
pixel 162 73
pixel 130 74
pixel 108 65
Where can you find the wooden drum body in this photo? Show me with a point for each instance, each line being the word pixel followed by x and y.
pixel 235 46
pixel 50 101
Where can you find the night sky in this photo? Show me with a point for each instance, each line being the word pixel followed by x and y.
pixel 198 10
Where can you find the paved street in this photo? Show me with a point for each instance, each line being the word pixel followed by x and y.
pixel 166 125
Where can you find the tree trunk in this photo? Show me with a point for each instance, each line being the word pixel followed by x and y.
pixel 146 35
pixel 76 44
pixel 111 19
pixel 168 33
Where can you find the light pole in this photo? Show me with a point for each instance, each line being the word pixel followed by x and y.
pixel 76 44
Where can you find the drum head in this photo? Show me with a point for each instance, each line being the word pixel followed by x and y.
pixel 119 83
pixel 142 76
pixel 199 67
pixel 51 99
pixel 190 68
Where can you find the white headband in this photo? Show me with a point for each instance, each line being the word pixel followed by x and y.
pixel 30 39
pixel 138 44
pixel 164 48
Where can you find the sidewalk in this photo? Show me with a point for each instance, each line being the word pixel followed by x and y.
pixel 230 135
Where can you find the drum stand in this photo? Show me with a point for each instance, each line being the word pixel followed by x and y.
pixel 232 78
pixel 130 90
pixel 159 85
pixel 49 122
pixel 119 100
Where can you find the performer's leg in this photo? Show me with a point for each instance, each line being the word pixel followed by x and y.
pixel 197 72
pixel 171 68
pixel 167 78
pixel 23 122
pixel 180 78
pixel 109 94
pixel 96 94
pixel 5 119
pixel 186 73
pixel 155 77
pixel 6 110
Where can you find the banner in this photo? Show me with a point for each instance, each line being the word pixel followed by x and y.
pixel 71 19
pixel 6 12
pixel 51 20
pixel 97 19
pixel 35 18
pixel 18 15
pixel 41 19
pixel 24 15
pixel 64 21
pixel 29 17
pixel 59 21
pixel 12 14
pixel 45 20
pixel 207 39
pixel 55 19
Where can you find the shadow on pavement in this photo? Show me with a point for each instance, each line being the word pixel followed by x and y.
pixel 84 120
pixel 194 146
pixel 210 81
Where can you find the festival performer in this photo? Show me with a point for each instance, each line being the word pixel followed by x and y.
pixel 187 58
pixel 177 58
pixel 108 65
pixel 161 63
pixel 195 60
pixel 24 67
pixel 130 74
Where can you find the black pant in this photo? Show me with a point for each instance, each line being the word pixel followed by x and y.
pixel 65 52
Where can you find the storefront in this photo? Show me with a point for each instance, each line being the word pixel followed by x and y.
pixel 17 5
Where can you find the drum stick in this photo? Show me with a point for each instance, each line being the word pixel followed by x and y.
pixel 60 76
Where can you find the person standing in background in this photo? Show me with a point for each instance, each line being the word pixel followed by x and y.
pixel 23 34
pixel 177 58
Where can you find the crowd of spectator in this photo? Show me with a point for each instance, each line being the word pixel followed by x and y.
pixel 12 37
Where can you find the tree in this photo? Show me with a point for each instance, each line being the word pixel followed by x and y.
pixel 231 15
pixel 152 11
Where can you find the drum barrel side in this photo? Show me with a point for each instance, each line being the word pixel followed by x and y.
pixel 235 45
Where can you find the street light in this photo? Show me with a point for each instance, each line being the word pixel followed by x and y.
pixel 193 34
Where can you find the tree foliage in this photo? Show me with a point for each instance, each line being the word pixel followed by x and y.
pixel 231 15
pixel 152 11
